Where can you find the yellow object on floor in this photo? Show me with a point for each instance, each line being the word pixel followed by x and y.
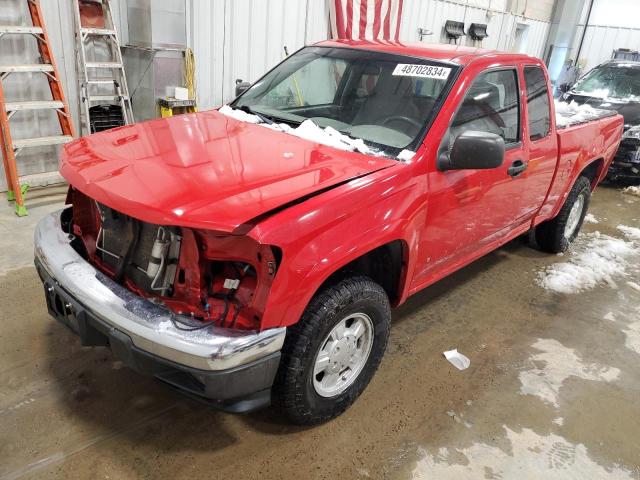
pixel 170 106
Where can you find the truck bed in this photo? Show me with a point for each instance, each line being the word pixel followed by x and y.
pixel 571 114
pixel 579 143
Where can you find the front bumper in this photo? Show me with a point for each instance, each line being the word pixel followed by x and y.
pixel 623 170
pixel 231 367
pixel 626 163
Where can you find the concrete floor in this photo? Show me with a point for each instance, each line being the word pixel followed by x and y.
pixel 553 390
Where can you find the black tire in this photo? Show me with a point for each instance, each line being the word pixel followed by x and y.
pixel 550 235
pixel 294 391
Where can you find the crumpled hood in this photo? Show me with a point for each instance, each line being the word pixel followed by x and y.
pixel 205 170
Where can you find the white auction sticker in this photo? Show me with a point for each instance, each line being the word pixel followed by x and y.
pixel 424 71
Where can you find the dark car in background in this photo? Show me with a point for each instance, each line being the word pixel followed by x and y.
pixel 615 85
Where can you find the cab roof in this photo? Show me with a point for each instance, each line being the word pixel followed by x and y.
pixel 458 54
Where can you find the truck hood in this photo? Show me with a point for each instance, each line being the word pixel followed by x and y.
pixel 205 170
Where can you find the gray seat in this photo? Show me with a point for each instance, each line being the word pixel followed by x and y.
pixel 383 104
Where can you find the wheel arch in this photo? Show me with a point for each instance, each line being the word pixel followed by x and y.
pixel 385 265
pixel 391 255
pixel 592 172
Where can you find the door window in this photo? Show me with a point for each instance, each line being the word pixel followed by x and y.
pixel 491 105
pixel 537 103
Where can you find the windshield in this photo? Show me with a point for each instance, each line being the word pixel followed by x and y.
pixel 613 80
pixel 386 100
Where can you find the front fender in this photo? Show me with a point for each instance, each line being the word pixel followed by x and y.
pixel 333 261
pixel 322 235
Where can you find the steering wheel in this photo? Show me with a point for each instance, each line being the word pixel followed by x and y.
pixel 402 118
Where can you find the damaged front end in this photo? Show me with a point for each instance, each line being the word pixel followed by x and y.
pixel 179 304
pixel 204 277
pixel 626 163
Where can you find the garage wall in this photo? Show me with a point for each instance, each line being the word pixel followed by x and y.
pixel 501 24
pixel 234 39
pixel 613 24
pixel 600 41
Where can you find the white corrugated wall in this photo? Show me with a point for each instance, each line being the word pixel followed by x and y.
pixel 433 14
pixel 613 24
pixel 243 39
pixel 600 41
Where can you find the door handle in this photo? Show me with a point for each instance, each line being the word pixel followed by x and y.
pixel 517 168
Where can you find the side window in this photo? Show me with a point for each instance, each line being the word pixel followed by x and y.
pixel 491 105
pixel 537 103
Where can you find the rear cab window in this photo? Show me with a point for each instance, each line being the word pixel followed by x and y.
pixel 538 104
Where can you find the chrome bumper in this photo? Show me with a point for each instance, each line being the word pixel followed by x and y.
pixel 148 325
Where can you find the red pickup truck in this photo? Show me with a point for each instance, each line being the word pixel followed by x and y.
pixel 252 254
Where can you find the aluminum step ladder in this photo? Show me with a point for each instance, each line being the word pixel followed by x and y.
pixel 17 185
pixel 104 100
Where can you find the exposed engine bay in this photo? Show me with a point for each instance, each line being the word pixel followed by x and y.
pixel 202 276
pixel 146 253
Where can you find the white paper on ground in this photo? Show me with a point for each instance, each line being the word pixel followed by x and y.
pixel 457 359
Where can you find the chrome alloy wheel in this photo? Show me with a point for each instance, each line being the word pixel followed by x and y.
pixel 342 355
pixel 574 217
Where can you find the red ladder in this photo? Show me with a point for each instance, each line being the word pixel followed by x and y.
pixel 11 147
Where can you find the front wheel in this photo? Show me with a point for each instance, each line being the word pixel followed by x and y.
pixel 556 235
pixel 332 353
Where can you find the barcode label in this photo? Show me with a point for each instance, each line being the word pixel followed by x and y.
pixel 423 71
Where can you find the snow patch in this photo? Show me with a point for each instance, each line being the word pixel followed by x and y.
pixel 553 365
pixel 329 136
pixel 406 155
pixel 239 114
pixel 596 259
pixel 590 218
pixel 634 285
pixel 530 457
pixel 572 113
pixel 632 191
pixel 632 341
pixel 307 130
pixel 632 233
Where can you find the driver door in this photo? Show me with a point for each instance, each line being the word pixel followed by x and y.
pixel 469 210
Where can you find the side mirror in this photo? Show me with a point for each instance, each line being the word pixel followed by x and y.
pixel 241 87
pixel 473 151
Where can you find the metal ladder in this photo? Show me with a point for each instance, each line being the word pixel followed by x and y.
pixel 11 147
pixel 94 90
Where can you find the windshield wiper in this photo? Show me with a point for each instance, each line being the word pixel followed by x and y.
pixel 261 116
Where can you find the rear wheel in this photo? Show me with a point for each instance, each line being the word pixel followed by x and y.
pixel 556 235
pixel 332 353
